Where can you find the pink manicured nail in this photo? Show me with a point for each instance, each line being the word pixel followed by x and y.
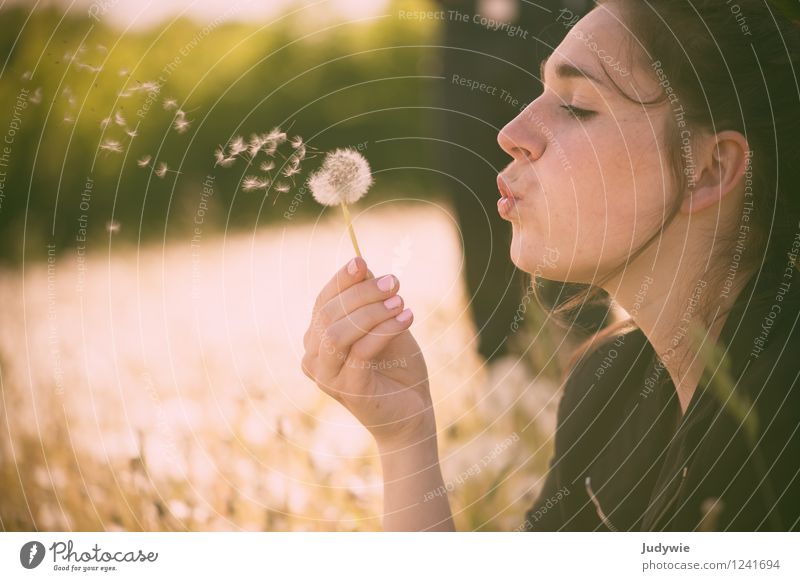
pixel 392 302
pixel 404 316
pixel 352 267
pixel 386 283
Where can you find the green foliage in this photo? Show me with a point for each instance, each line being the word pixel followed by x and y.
pixel 349 84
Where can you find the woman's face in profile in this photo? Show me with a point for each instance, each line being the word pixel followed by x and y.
pixel 590 167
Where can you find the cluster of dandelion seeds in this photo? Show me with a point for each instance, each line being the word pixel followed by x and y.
pixel 278 170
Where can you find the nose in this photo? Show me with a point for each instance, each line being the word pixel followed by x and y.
pixel 522 138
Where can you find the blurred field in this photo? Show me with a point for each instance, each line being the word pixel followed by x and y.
pixel 165 393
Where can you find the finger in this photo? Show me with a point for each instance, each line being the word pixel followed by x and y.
pixel 342 280
pixel 359 295
pixel 373 343
pixel 338 338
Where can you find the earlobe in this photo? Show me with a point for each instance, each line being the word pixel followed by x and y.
pixel 723 170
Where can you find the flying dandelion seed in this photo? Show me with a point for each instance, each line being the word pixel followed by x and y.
pixel 36 98
pixel 300 154
pixel 132 133
pixel 237 147
pixel 291 171
pixel 282 188
pixel 113 226
pixel 145 161
pixel 162 169
pixel 112 145
pixel 251 183
pixel 69 119
pixel 181 125
pixel 296 141
pixel 219 155
pixel 343 179
pixel 26 76
pixel 102 48
pixel 255 144
pixel 119 119
pixel 123 72
pixel 105 122
pixel 170 104
pixel 266 166
pixel 276 135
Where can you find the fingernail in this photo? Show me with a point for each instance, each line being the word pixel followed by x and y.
pixel 352 267
pixel 404 316
pixel 386 283
pixel 392 302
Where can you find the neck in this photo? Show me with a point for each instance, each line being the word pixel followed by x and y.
pixel 665 298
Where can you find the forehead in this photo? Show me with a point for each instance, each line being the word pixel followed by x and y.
pixel 602 45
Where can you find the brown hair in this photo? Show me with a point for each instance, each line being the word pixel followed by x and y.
pixel 730 67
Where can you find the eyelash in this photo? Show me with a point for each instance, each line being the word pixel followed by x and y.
pixel 578 113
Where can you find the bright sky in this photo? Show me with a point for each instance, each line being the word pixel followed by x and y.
pixel 145 13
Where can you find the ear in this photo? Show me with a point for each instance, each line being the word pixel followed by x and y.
pixel 721 165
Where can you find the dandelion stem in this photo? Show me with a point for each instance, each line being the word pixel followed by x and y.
pixel 350 228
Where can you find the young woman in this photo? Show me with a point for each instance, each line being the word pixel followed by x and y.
pixel 660 165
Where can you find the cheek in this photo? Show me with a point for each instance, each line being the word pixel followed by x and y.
pixel 609 200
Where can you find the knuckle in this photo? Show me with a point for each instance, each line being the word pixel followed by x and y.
pixel 305 365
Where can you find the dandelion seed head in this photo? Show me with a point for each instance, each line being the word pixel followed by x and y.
pixel 345 176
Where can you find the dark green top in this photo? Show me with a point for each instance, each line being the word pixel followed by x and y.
pixel 627 459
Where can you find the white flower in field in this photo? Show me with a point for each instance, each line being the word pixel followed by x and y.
pixel 111 145
pixel 344 177
pixel 162 169
pixel 145 161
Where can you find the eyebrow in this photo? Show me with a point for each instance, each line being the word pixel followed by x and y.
pixel 565 70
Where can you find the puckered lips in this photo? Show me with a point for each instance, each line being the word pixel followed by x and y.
pixel 508 200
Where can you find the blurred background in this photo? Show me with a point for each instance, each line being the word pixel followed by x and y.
pixel 153 305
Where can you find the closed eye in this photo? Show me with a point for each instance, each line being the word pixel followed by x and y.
pixel 578 113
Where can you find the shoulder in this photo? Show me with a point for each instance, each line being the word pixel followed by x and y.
pixel 607 362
